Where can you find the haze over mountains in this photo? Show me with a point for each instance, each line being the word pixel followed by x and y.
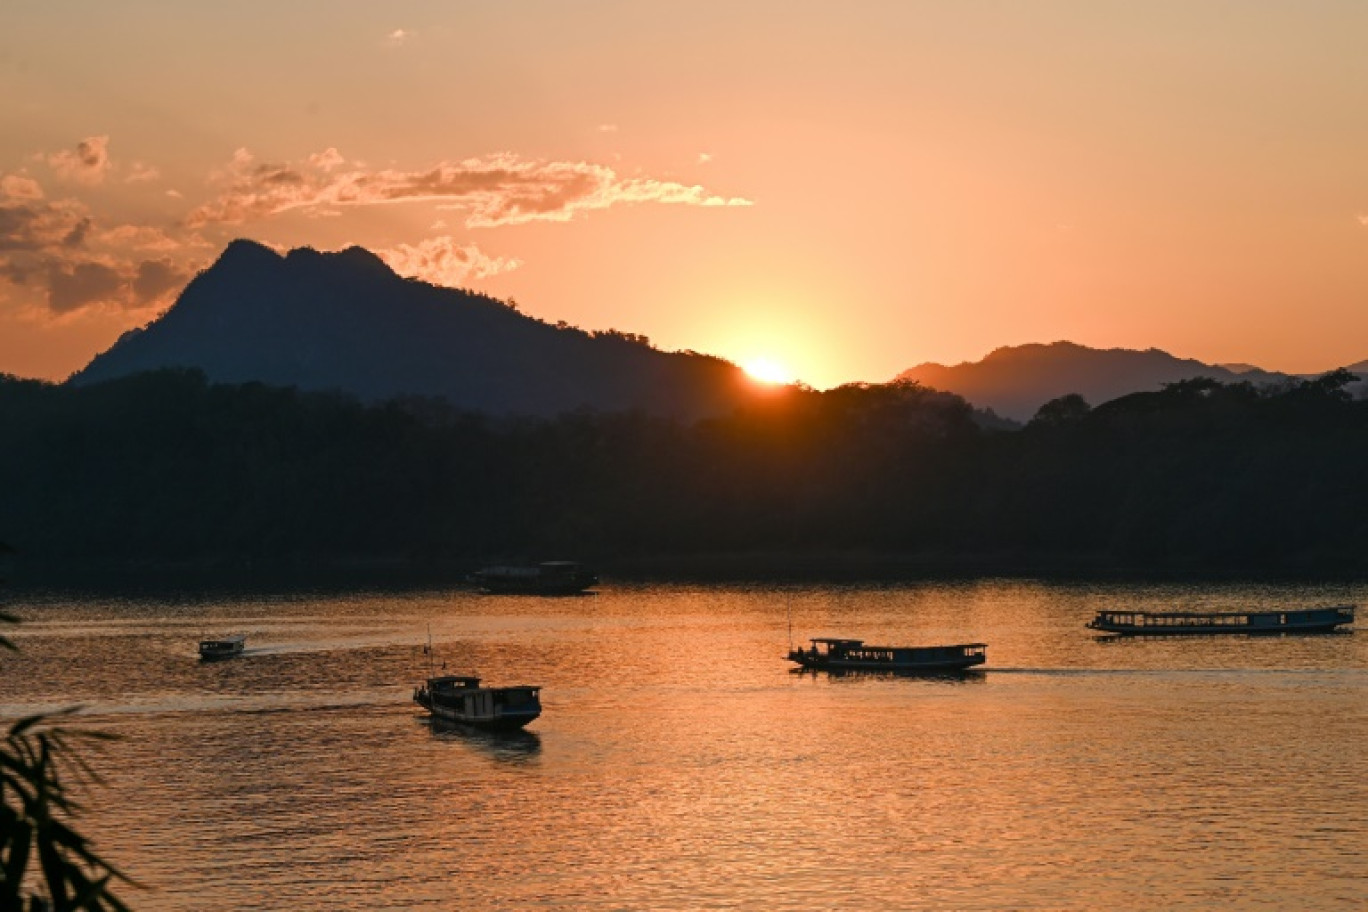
pixel 346 321
pixel 1015 381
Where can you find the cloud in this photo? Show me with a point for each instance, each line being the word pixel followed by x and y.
pixel 29 225
pixel 327 160
pixel 704 157
pixel 502 189
pixel 54 255
pixel 444 261
pixel 72 286
pixel 398 37
pixel 607 128
pixel 16 186
pixel 141 173
pixel 88 164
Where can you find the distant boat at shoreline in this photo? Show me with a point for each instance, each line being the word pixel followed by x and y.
pixel 223 648
pixel 830 654
pixel 1171 623
pixel 546 578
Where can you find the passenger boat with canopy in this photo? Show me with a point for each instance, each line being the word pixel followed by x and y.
pixel 1170 623
pixel 460 698
pixel 830 654
pixel 223 647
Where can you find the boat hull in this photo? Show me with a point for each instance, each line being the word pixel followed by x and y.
pixel 218 656
pixel 935 667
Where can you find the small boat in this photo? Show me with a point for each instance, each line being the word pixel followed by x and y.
pixel 459 698
pixel 828 654
pixel 548 578
pixel 223 648
pixel 1169 623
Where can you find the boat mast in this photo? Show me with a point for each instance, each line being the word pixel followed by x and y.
pixel 789 601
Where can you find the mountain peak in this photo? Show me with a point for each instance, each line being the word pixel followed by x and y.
pixel 243 253
pixel 1016 380
pixel 345 321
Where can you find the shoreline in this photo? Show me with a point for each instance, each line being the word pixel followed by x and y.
pixel 733 568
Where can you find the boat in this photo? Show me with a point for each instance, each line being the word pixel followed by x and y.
pixel 829 654
pixel 223 648
pixel 1170 623
pixel 460 698
pixel 547 578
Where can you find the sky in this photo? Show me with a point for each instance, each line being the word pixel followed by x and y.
pixel 841 190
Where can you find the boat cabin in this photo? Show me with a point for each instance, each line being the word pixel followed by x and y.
pixel 835 654
pixel 224 647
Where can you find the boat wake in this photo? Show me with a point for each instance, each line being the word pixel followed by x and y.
pixel 211 703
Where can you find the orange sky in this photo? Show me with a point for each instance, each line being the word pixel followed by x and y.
pixel 843 190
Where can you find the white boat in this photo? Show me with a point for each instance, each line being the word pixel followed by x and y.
pixel 223 648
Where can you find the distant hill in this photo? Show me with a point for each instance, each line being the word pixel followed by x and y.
pixel 1015 381
pixel 345 321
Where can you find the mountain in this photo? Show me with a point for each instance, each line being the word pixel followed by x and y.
pixel 1016 381
pixel 346 321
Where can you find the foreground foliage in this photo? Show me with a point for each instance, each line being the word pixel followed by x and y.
pixel 38 844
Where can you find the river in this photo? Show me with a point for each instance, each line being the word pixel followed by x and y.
pixel 680 764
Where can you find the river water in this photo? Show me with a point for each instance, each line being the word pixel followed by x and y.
pixel 680 764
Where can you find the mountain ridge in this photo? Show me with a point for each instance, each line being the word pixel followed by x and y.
pixel 344 320
pixel 1014 381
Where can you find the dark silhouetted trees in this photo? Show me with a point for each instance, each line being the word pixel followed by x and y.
pixel 1199 475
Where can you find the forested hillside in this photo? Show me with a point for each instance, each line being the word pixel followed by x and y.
pixel 165 466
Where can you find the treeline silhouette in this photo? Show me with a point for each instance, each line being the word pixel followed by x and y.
pixel 166 467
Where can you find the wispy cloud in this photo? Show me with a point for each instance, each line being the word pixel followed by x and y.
pixel 141 173
pixel 19 187
pixel 399 37
pixel 445 261
pixel 63 253
pixel 502 189
pixel 88 163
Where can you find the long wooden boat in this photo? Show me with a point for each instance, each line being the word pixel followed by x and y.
pixel 1170 623
pixel 223 647
pixel 547 578
pixel 459 698
pixel 829 654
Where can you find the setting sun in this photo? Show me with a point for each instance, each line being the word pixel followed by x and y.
pixel 767 370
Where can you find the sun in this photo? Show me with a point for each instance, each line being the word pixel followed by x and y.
pixel 767 370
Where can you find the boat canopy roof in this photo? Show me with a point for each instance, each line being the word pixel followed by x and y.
pixel 860 644
pixel 468 681
pixel 229 639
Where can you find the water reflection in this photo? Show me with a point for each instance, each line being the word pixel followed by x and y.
pixel 519 745
pixel 680 764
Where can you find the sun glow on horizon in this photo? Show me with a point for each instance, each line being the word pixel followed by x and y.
pixel 767 370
